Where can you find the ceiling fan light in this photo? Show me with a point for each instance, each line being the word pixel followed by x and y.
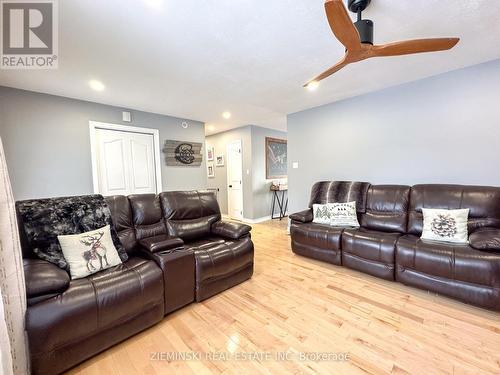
pixel 313 85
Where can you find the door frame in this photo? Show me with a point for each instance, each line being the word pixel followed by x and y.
pixel 94 125
pixel 228 169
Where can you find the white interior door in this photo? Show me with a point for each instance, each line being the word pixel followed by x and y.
pixel 235 180
pixel 125 162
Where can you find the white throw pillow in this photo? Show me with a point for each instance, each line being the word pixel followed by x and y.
pixel 322 213
pixel 445 225
pixel 344 215
pixel 90 252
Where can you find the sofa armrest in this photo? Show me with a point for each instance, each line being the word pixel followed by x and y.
pixel 158 244
pixel 230 230
pixel 305 216
pixel 485 239
pixel 44 278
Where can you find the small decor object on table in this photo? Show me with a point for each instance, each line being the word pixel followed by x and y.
pixel 276 158
pixel 210 153
pixel 210 170
pixel 219 161
pixel 277 187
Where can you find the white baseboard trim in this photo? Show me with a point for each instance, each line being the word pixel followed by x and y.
pixel 250 221
pixel 258 220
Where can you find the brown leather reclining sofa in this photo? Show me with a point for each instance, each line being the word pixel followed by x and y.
pixel 387 244
pixel 179 251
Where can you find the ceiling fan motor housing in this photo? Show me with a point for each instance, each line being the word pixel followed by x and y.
pixel 365 30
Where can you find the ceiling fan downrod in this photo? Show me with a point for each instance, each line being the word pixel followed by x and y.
pixel 364 27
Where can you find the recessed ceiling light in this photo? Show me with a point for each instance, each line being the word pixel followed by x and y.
pixel 155 4
pixel 226 115
pixel 211 128
pixel 96 85
pixel 313 85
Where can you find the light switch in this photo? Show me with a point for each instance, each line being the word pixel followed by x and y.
pixel 295 165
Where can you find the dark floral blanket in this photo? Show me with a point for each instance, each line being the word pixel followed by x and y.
pixel 44 219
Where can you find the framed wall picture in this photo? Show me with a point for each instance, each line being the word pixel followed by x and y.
pixel 210 153
pixel 276 158
pixel 219 161
pixel 210 170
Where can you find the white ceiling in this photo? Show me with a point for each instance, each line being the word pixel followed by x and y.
pixel 198 58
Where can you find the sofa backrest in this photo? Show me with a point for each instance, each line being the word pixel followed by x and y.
pixel 386 208
pixel 147 215
pixel 483 202
pixel 189 214
pixel 121 213
pixel 340 192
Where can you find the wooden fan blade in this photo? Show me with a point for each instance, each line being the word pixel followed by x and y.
pixel 341 24
pixel 409 47
pixel 329 72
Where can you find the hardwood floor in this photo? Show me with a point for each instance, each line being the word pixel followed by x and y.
pixel 297 305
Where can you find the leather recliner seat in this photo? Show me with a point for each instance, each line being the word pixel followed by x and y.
pixel 178 250
pixel 387 244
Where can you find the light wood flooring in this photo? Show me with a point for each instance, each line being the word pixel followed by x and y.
pixel 296 305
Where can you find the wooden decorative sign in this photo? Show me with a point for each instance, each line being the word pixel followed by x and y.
pixel 184 154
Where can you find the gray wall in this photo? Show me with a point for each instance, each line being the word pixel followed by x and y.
pixel 444 129
pixel 256 194
pixel 262 197
pixel 47 143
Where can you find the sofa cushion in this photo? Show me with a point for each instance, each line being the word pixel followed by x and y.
pixel 147 216
pixel 222 259
pixel 161 243
pixel 42 220
pixel 483 202
pixel 387 208
pixel 370 251
pixel 449 261
pixel 89 252
pixel 445 225
pixel 317 241
pixel 230 230
pixel 94 304
pixel 121 212
pixel 340 192
pixel 305 216
pixel 486 239
pixel 189 214
pixel 44 278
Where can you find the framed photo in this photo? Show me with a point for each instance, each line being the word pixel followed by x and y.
pixel 210 153
pixel 210 170
pixel 219 161
pixel 276 158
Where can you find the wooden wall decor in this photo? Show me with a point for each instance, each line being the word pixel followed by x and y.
pixel 182 153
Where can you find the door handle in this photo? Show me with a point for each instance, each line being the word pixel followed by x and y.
pixel 230 186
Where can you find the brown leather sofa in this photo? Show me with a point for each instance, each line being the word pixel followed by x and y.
pixel 178 250
pixel 387 244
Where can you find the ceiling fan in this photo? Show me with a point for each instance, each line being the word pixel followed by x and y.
pixel 357 38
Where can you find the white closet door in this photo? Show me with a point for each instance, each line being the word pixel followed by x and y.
pixel 125 162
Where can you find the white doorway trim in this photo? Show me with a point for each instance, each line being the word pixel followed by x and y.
pixel 93 125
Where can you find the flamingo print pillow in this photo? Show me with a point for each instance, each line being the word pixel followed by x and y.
pixel 445 225
pixel 89 252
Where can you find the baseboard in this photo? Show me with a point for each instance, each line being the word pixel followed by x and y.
pixel 250 221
